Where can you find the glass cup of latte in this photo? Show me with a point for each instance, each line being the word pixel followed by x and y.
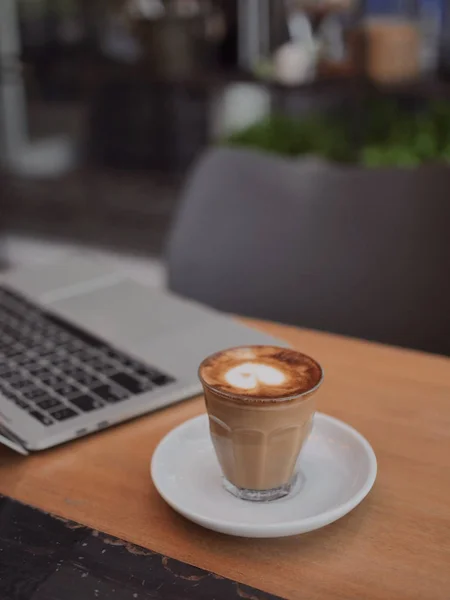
pixel 260 403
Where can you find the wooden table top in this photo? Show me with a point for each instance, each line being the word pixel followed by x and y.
pixel 396 544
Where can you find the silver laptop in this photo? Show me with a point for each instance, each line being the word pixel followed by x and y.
pixel 84 346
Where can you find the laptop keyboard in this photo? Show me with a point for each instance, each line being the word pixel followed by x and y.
pixel 56 371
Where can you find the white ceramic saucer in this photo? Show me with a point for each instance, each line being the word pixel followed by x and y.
pixel 337 470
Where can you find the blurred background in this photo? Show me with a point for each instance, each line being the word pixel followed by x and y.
pixel 105 106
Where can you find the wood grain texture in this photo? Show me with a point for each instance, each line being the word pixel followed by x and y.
pixel 396 544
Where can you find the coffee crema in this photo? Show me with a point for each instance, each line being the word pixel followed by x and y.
pixel 260 373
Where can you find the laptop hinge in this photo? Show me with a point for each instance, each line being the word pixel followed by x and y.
pixel 10 440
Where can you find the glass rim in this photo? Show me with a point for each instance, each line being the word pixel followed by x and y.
pixel 256 400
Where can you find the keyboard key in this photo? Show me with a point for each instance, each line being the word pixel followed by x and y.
pixel 3 385
pixel 146 372
pixel 77 332
pixel 84 356
pixel 20 402
pixel 57 359
pixel 6 371
pixel 63 414
pixel 111 393
pixel 108 369
pixel 98 362
pixel 6 341
pixel 9 334
pixel 48 403
pixel 116 356
pixel 22 357
pixel 129 363
pixel 52 380
pixel 67 366
pixel 71 346
pixel 76 371
pixel 22 337
pixel 43 352
pixel 60 338
pixel 146 385
pixel 44 419
pixel 34 393
pixel 31 366
pixel 66 390
pixel 16 355
pixel 87 403
pixel 25 361
pixel 20 382
pixel 129 383
pixel 86 379
pixel 162 379
pixel 42 373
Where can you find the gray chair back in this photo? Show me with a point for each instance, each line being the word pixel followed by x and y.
pixel 361 252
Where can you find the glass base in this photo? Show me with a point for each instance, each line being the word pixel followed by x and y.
pixel 260 495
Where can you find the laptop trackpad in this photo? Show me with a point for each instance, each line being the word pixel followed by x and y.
pixel 128 311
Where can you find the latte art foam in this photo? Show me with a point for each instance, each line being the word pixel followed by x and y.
pixel 249 375
pixel 265 373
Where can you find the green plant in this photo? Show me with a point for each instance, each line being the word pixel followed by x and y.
pixel 387 134
pixel 294 137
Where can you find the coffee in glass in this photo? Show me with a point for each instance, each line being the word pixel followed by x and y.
pixel 260 406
